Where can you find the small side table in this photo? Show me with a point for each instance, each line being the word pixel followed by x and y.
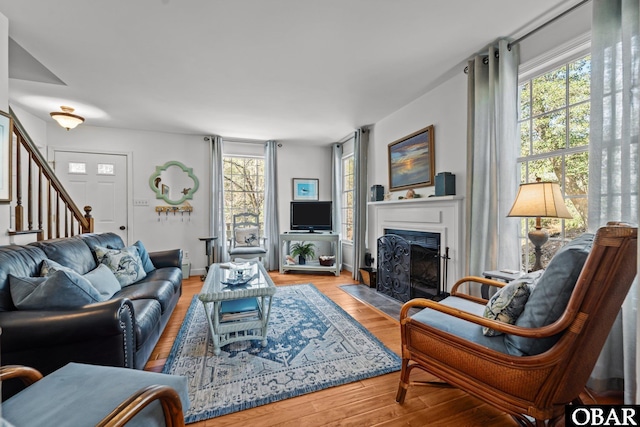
pixel 504 275
pixel 210 251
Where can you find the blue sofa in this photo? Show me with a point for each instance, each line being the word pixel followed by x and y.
pixel 121 330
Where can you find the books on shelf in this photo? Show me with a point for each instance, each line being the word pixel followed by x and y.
pixel 239 309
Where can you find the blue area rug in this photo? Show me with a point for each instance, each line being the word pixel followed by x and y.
pixel 312 344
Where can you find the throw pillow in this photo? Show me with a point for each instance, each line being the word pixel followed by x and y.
pixel 104 281
pixel 59 291
pixel 247 236
pixel 550 296
pixel 125 263
pixel 506 305
pixel 144 256
pixel 49 267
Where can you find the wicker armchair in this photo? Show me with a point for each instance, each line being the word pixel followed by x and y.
pixel 527 386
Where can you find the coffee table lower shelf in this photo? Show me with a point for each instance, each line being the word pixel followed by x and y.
pixel 224 333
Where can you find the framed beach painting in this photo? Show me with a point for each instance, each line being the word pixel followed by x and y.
pixel 6 134
pixel 412 160
pixel 305 189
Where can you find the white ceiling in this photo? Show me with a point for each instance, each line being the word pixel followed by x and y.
pixel 291 70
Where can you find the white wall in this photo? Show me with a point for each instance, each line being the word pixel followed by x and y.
pixel 445 107
pixel 301 161
pixel 148 150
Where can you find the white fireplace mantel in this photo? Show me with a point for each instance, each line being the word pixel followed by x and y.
pixel 444 215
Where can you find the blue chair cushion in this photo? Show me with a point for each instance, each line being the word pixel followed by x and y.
pixel 550 296
pixel 459 327
pixel 82 395
pixel 247 250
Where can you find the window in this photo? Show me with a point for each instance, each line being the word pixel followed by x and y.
pixel 77 168
pixel 243 188
pixel 347 197
pixel 106 169
pixel 554 145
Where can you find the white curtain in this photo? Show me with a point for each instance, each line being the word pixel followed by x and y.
pixel 336 186
pixel 271 218
pixel 361 147
pixel 492 149
pixel 217 224
pixel 613 168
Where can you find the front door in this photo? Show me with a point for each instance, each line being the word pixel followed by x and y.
pixel 98 180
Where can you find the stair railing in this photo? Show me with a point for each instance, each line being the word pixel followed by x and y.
pixel 45 195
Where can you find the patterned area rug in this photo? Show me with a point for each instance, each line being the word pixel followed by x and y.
pixel 312 344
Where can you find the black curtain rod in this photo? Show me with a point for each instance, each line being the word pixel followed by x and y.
pixel 571 9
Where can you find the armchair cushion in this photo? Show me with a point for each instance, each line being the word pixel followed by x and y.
pixel 550 296
pixel 125 263
pixel 82 395
pixel 247 236
pixel 61 290
pixel 459 327
pixel 506 305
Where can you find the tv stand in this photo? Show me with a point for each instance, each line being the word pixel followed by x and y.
pixel 336 245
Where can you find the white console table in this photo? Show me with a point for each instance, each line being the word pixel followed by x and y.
pixel 287 238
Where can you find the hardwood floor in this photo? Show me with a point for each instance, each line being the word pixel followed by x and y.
pixel 369 402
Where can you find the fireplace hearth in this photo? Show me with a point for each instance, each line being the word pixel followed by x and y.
pixel 409 264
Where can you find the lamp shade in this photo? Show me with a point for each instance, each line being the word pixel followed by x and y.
pixel 540 199
pixel 66 119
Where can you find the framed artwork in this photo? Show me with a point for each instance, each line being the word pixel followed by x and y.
pixel 6 135
pixel 305 189
pixel 412 160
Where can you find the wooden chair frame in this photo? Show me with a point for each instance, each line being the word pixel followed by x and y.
pixel 537 386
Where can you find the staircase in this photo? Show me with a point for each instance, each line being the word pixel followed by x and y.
pixel 41 204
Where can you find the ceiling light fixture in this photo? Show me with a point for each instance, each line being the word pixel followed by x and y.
pixel 66 119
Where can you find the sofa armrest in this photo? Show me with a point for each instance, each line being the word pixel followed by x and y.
pixel 169 258
pixel 27 329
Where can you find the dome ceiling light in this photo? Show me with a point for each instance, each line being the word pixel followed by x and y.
pixel 66 119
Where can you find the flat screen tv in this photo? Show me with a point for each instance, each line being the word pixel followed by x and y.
pixel 311 216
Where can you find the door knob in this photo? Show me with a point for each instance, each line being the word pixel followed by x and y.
pixel 122 227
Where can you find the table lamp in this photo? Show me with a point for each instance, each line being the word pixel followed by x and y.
pixel 539 199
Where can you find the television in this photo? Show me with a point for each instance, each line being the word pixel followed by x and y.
pixel 311 216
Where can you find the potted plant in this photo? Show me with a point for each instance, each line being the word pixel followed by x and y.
pixel 303 251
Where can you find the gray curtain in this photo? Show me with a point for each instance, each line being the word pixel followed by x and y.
pixel 336 186
pixel 613 168
pixel 271 218
pixel 361 146
pixel 492 149
pixel 217 224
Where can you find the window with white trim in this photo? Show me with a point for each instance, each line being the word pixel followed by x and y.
pixel 554 111
pixel 243 188
pixel 348 191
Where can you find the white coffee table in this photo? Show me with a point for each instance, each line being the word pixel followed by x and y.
pixel 214 291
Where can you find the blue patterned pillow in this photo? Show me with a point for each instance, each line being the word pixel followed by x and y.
pixel 125 263
pixel 506 305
